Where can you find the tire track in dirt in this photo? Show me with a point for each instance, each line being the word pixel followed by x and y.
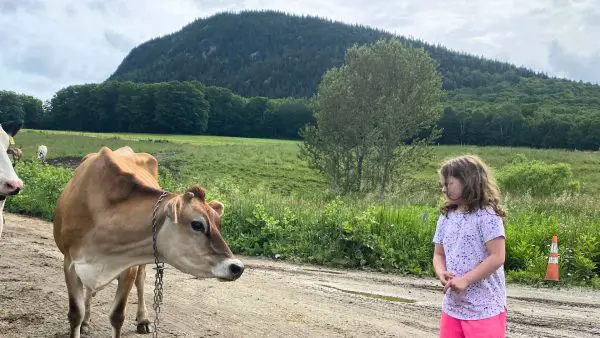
pixel 272 299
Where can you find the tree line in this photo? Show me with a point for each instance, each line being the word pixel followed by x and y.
pixel 15 106
pixel 532 113
pixel 167 107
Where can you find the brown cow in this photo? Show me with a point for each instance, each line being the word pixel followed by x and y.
pixel 103 227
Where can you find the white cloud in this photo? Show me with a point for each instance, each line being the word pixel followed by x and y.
pixel 47 45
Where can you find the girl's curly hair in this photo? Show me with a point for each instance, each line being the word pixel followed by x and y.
pixel 480 188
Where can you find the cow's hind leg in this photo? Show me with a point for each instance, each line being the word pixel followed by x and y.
pixel 76 299
pixel 143 323
pixel 117 315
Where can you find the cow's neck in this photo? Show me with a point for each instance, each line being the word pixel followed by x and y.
pixel 104 258
pixel 136 237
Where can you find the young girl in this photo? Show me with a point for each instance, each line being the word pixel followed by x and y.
pixel 469 251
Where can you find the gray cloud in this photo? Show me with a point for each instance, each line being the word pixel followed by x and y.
pixel 96 5
pixel 593 18
pixel 577 67
pixel 111 7
pixel 36 60
pixel 119 41
pixel 71 10
pixel 211 4
pixel 12 6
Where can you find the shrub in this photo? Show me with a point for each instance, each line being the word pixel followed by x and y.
pixel 43 185
pixel 537 178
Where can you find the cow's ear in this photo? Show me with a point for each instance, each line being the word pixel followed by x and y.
pixel 12 127
pixel 217 206
pixel 173 210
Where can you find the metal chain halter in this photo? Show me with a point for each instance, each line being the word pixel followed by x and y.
pixel 158 281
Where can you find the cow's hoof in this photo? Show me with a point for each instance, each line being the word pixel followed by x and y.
pixel 143 328
pixel 85 329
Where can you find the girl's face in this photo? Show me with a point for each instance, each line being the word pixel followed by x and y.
pixel 452 188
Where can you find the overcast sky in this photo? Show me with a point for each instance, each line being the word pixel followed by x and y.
pixel 46 45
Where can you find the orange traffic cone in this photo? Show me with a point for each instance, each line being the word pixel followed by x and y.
pixel 552 269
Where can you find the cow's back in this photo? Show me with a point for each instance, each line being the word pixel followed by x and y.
pixel 102 180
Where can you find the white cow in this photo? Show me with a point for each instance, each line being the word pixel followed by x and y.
pixel 10 184
pixel 42 153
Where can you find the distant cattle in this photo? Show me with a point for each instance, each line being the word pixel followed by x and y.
pixel 42 152
pixel 103 225
pixel 10 184
pixel 16 153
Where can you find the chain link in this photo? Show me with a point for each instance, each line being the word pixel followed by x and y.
pixel 158 281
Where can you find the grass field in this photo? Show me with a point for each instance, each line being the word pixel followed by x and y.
pixel 249 163
pixel 274 159
pixel 276 205
pixel 198 140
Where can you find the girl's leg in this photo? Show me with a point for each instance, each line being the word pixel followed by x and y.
pixel 493 327
pixel 450 327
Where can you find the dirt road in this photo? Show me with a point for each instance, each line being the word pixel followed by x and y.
pixel 272 299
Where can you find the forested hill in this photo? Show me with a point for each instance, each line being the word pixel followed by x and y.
pixel 267 53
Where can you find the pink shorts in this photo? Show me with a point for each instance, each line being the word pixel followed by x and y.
pixel 493 327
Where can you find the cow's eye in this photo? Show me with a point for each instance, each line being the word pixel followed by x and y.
pixel 198 226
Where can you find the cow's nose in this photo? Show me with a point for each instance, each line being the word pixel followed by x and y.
pixel 13 187
pixel 236 269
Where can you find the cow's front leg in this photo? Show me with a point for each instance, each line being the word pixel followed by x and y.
pixel 76 299
pixel 143 323
pixel 117 315
pixel 85 326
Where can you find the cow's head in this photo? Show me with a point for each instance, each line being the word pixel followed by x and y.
pixel 10 184
pixel 190 239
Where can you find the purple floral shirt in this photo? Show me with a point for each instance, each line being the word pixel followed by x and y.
pixel 463 236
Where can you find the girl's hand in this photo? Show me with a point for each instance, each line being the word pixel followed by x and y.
pixel 457 284
pixel 445 276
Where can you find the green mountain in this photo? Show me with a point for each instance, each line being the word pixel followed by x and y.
pixel 266 53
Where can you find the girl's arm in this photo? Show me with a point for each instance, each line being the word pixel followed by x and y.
pixel 496 258
pixel 439 264
pixel 439 259
pixel 497 253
